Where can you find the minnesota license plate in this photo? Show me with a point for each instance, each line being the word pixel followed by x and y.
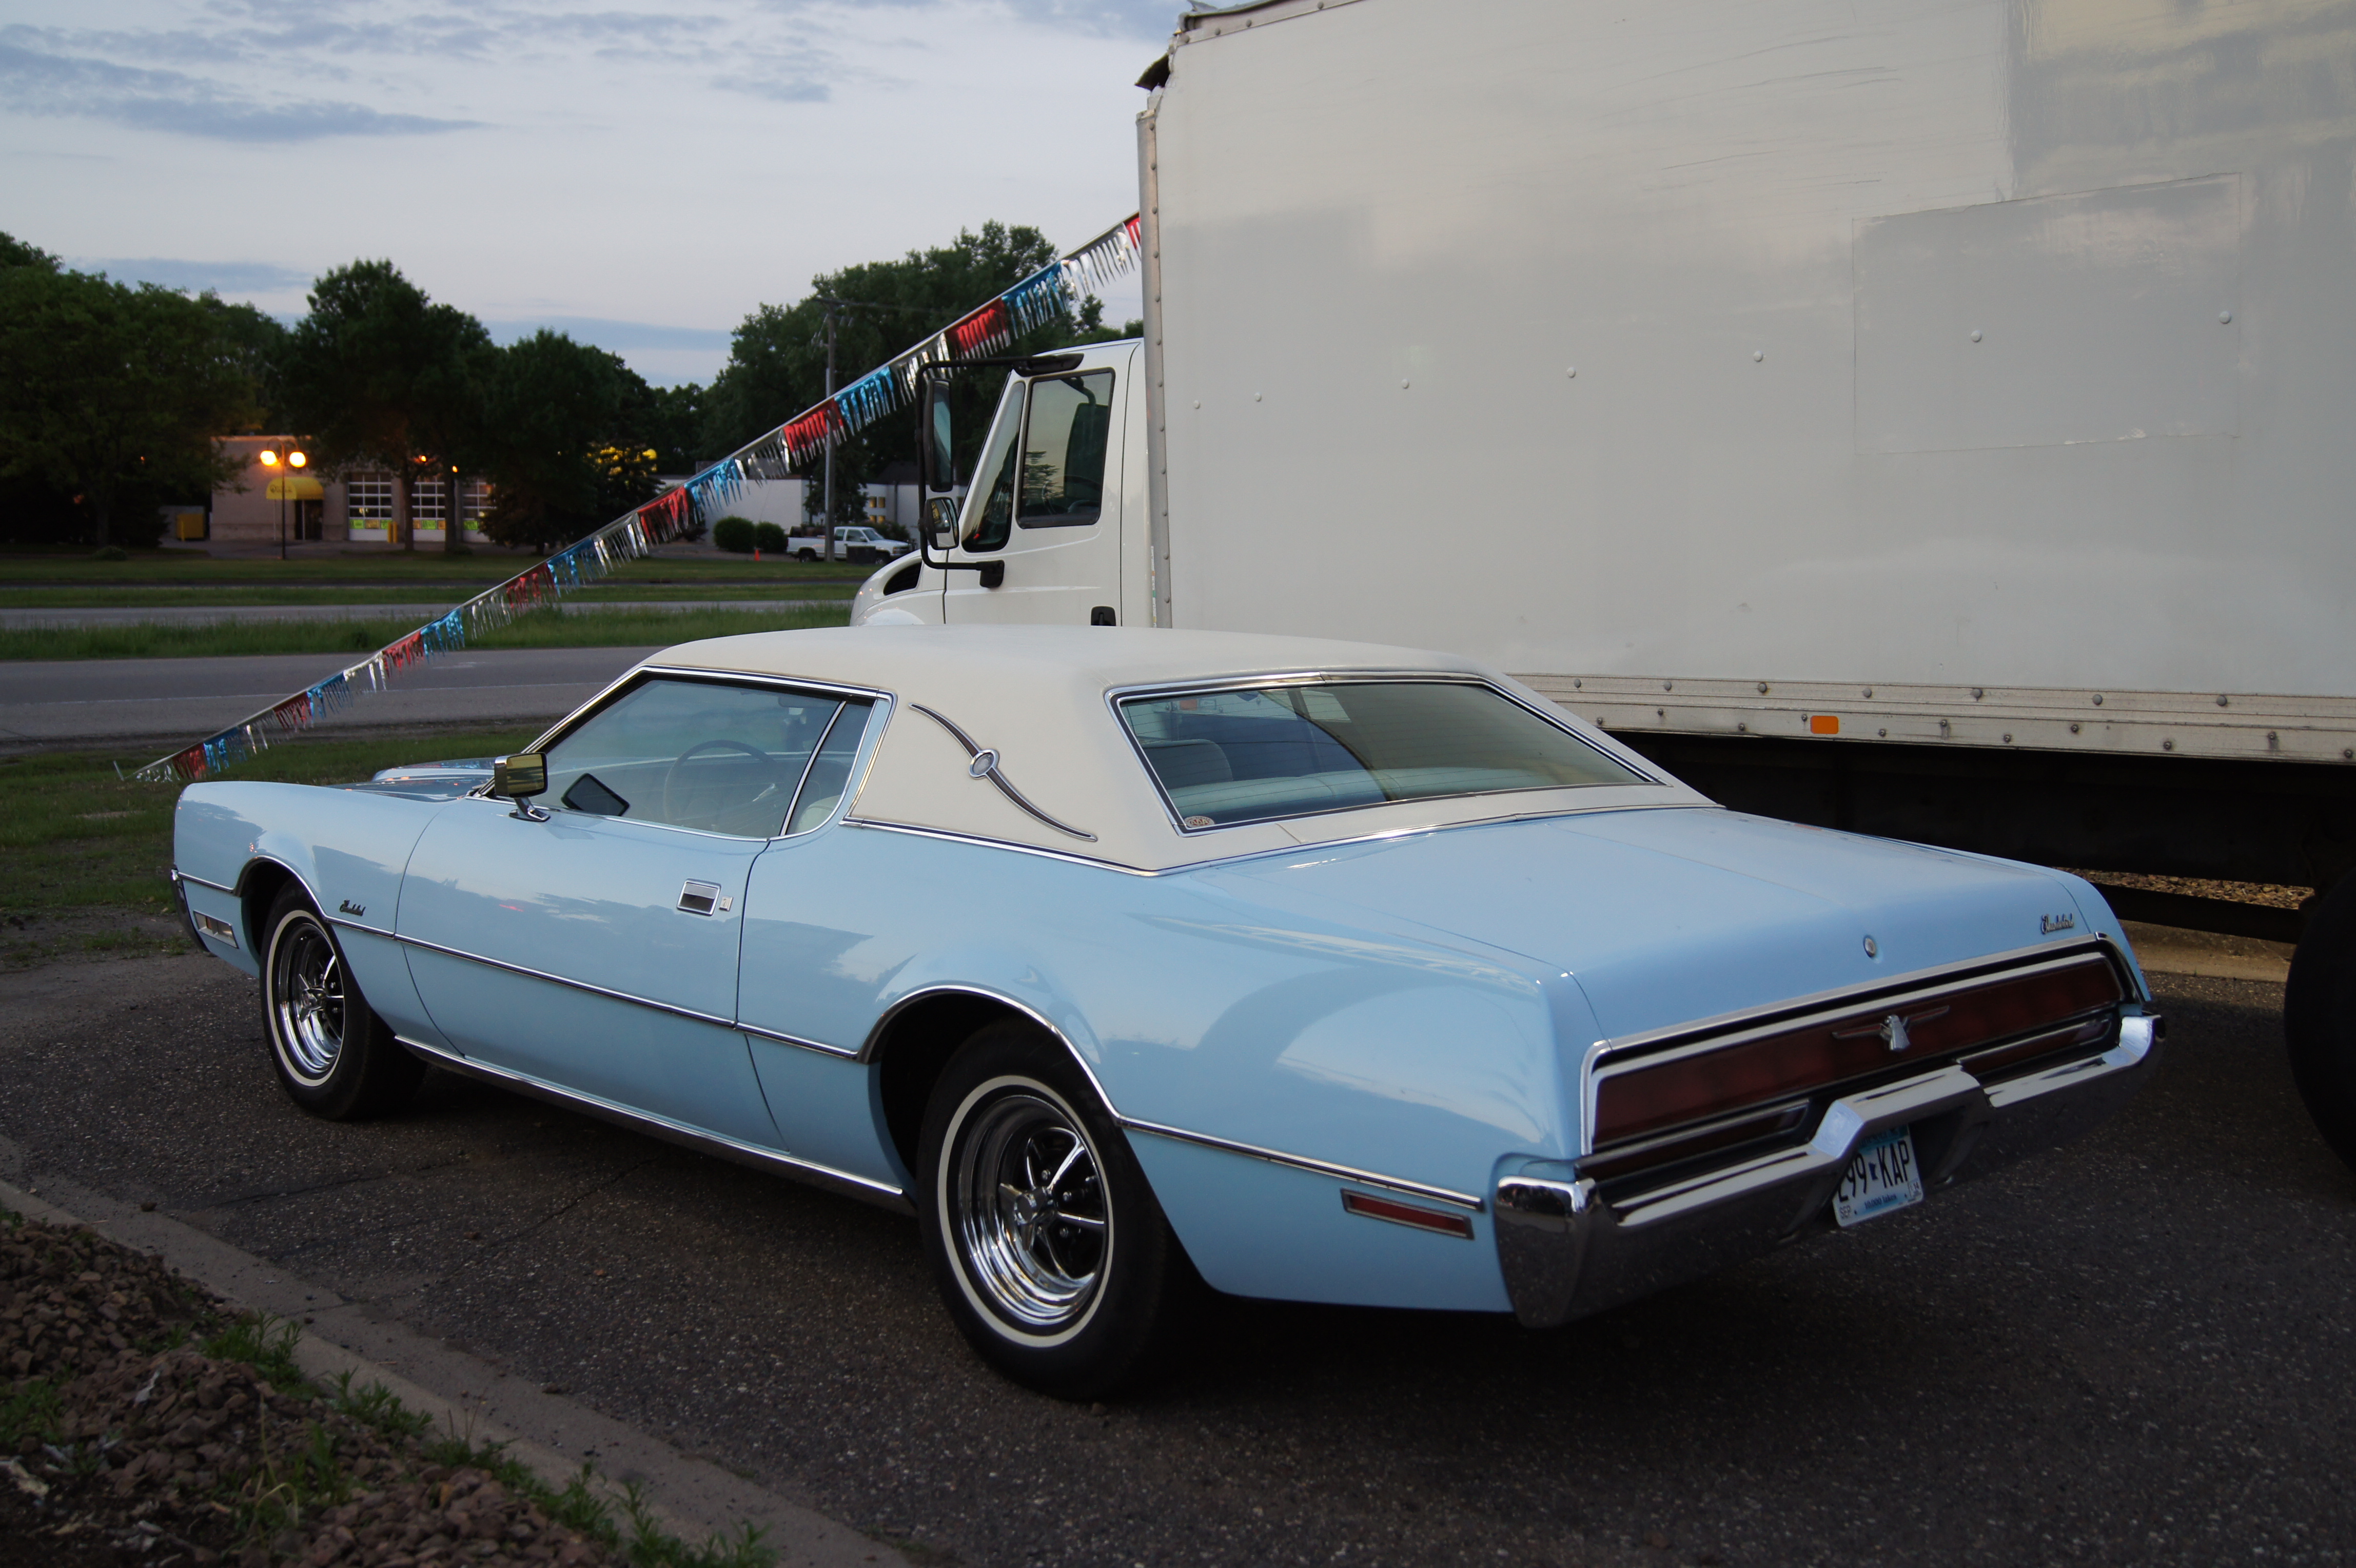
pixel 1883 1175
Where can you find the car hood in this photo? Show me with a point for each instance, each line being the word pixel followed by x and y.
pixel 1666 917
pixel 430 780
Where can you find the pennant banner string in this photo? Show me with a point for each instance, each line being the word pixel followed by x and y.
pixel 771 454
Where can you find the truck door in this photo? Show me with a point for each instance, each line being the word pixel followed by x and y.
pixel 1046 504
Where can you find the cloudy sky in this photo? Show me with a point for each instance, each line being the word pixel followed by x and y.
pixel 642 178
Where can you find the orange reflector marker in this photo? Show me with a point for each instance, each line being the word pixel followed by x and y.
pixel 1823 723
pixel 1399 1213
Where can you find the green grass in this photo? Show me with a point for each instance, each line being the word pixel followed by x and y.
pixel 374 568
pixel 544 629
pixel 74 836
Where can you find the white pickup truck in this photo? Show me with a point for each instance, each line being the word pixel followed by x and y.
pixel 1926 420
pixel 855 543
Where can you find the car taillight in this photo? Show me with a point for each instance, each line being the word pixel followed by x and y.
pixel 1693 1085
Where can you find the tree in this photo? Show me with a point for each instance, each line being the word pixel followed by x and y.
pixel 676 432
pixel 378 373
pixel 563 438
pixel 776 361
pixel 256 344
pixel 114 394
pixel 15 253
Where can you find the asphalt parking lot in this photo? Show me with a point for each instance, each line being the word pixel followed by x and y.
pixel 2138 1351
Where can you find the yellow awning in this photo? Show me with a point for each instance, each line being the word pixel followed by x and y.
pixel 294 488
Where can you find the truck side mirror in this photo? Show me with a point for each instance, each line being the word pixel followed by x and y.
pixel 941 515
pixel 938 460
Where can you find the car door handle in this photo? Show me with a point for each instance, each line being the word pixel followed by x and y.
pixel 703 898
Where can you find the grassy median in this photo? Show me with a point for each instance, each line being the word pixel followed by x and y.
pixel 543 629
pixel 84 851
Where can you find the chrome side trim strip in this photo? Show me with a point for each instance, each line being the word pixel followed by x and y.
pixel 200 882
pixel 1303 1163
pixel 990 769
pixel 559 979
pixel 877 1192
pixel 347 923
pixel 849 1053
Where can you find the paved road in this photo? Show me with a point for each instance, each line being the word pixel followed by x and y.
pixel 16 620
pixel 98 701
pixel 2138 1351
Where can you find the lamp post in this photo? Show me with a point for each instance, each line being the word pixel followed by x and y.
pixel 290 460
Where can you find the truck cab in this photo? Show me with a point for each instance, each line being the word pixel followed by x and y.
pixel 1052 528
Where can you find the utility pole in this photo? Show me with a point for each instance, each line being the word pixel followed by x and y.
pixel 828 523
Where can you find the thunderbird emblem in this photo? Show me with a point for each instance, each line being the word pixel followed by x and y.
pixel 1892 1029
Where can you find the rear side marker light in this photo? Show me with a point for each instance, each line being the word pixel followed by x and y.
pixel 1823 723
pixel 1399 1213
pixel 219 930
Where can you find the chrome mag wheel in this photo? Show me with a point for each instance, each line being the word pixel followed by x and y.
pixel 306 998
pixel 1023 1196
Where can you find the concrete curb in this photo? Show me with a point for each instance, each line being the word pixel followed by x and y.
pixel 462 1392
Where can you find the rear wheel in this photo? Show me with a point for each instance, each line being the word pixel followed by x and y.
pixel 1046 1241
pixel 335 1057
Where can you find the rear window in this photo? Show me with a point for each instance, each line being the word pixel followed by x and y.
pixel 1251 754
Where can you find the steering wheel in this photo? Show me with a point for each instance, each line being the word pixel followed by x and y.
pixel 672 792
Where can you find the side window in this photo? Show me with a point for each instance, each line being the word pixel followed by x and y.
pixel 990 515
pixel 694 754
pixel 830 772
pixel 1063 440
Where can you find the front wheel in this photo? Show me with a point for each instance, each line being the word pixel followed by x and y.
pixel 335 1057
pixel 1046 1243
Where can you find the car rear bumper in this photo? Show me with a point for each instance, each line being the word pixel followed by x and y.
pixel 1567 1251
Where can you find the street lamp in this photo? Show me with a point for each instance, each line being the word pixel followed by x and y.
pixel 289 458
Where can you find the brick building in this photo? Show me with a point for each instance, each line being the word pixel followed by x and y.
pixel 351 507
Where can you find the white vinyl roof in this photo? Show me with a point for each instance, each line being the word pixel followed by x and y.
pixel 1037 696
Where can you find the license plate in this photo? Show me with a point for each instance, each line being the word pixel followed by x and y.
pixel 1883 1175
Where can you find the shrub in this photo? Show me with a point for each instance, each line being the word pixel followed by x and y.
pixel 735 533
pixel 769 536
pixel 110 552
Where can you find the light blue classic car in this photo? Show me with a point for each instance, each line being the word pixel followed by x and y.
pixel 1131 961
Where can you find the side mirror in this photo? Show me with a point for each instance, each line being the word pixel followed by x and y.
pixel 941 514
pixel 521 777
pixel 937 458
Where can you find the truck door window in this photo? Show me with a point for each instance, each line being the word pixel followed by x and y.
pixel 1064 439
pixel 989 515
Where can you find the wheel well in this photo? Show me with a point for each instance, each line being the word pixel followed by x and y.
pixel 916 1045
pixel 263 881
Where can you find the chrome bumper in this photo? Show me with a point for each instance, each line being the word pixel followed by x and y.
pixel 1567 1251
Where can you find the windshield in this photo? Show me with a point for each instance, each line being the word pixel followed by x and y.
pixel 1287 751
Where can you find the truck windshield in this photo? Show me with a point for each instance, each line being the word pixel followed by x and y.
pixel 1287 751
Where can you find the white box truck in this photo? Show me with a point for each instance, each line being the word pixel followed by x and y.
pixel 1934 419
